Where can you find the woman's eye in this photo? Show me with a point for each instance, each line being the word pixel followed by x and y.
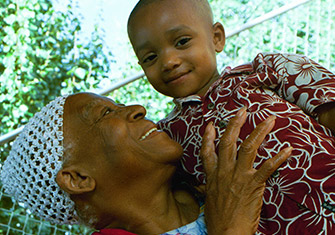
pixel 183 41
pixel 107 111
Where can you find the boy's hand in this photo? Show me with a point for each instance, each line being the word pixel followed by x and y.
pixel 234 189
pixel 326 115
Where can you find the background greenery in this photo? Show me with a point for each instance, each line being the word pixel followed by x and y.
pixel 41 57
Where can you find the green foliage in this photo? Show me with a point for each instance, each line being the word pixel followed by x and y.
pixel 41 57
pixel 304 30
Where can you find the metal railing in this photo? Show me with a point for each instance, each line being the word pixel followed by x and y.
pixel 11 135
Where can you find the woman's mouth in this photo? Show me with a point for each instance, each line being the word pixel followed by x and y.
pixel 148 133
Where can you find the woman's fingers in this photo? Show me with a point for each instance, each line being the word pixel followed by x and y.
pixel 234 188
pixel 211 162
pixel 227 146
pixel 248 149
pixel 207 151
pixel 271 165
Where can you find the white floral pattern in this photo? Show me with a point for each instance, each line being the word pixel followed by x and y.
pixel 300 197
pixel 303 68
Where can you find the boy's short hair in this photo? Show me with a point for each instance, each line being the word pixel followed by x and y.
pixel 201 6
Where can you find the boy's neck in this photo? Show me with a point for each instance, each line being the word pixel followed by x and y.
pixel 202 91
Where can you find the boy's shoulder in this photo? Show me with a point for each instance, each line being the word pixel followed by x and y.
pixel 268 58
pixel 285 57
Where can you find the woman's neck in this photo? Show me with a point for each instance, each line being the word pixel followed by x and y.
pixel 165 211
pixel 177 209
pixel 147 204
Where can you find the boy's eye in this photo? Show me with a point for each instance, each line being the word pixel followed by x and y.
pixel 149 58
pixel 183 41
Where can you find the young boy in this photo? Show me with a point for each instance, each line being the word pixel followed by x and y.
pixel 176 43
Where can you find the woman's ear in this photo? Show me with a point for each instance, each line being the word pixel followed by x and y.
pixel 75 181
pixel 219 37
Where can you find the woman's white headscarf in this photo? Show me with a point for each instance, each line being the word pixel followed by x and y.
pixel 29 172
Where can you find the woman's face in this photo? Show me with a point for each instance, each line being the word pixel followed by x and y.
pixel 114 137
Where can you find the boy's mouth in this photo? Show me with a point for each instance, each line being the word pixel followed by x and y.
pixel 176 76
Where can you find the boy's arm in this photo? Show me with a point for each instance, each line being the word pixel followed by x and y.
pixel 301 81
pixel 326 115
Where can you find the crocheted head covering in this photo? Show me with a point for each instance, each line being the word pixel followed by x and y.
pixel 29 172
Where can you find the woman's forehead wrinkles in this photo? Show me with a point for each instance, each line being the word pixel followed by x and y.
pixel 87 109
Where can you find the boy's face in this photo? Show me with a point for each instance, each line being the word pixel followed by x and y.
pixel 176 47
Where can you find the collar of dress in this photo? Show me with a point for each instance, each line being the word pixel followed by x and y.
pixel 245 68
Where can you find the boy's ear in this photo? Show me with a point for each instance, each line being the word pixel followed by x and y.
pixel 219 36
pixel 75 181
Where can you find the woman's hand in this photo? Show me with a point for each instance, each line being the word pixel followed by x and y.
pixel 234 189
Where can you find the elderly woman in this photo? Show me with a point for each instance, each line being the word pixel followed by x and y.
pixel 85 159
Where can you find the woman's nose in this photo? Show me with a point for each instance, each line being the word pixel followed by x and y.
pixel 136 112
pixel 170 60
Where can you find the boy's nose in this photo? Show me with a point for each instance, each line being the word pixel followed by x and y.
pixel 135 112
pixel 170 60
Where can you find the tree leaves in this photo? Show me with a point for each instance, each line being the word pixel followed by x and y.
pixel 39 53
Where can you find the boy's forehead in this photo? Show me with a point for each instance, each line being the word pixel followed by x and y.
pixel 200 8
pixel 167 5
pixel 149 16
pixel 171 3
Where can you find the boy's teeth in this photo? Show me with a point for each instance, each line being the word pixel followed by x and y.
pixel 148 133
